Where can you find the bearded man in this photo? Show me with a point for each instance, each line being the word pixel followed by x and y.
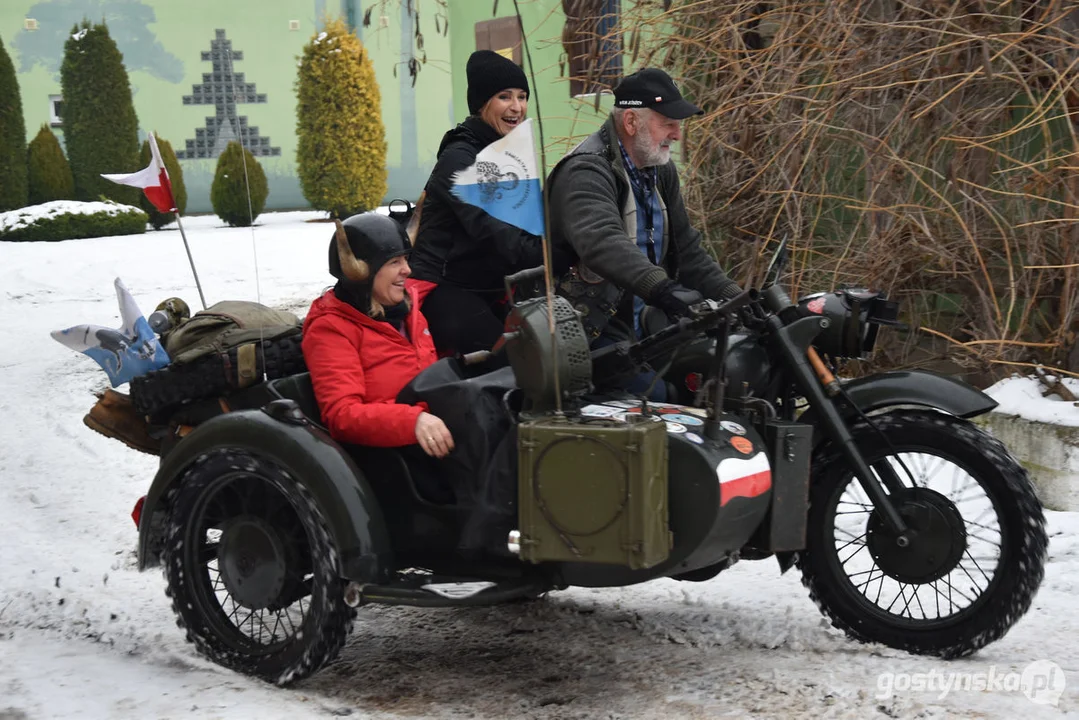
pixel 617 213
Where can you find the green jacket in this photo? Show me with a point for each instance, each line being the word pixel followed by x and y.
pixel 594 222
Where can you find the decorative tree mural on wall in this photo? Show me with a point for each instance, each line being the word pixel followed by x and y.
pixel 224 89
pixel 129 25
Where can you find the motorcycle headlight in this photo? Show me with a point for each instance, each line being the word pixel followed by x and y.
pixel 855 316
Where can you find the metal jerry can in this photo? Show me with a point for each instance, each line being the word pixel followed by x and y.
pixel 594 490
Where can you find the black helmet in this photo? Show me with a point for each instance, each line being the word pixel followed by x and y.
pixel 363 243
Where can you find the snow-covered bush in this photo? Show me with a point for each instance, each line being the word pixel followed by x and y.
pixel 68 219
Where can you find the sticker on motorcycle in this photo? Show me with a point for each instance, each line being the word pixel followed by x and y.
pixel 732 427
pixel 684 419
pixel 743 477
pixel 676 428
pixel 741 444
pixel 600 411
pixel 694 437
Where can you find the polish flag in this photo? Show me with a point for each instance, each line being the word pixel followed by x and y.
pixel 154 180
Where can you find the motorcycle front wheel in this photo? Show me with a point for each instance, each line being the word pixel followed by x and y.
pixel 977 548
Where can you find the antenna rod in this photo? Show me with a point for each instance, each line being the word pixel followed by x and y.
pixel 545 246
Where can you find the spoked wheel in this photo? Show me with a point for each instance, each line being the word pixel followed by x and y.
pixel 976 555
pixel 252 570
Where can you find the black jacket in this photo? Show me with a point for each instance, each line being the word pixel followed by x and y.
pixel 593 221
pixel 460 244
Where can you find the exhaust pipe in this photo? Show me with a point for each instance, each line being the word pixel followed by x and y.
pixel 353 594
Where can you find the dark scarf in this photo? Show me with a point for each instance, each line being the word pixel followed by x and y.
pixel 396 314
pixel 358 295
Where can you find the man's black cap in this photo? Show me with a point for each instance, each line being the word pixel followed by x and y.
pixel 653 88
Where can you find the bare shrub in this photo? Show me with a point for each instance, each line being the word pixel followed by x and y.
pixel 926 148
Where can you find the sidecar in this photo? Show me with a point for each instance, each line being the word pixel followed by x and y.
pixel 271 533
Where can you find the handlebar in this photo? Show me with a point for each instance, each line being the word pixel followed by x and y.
pixel 520 276
pixel 708 315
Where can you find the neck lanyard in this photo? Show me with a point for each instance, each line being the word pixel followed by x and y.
pixel 645 199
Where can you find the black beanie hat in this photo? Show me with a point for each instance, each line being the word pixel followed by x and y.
pixel 488 74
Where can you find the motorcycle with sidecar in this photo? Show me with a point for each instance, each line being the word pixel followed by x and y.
pixel 911 526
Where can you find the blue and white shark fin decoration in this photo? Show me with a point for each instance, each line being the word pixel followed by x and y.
pixel 123 353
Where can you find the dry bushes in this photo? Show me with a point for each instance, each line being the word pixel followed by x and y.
pixel 927 148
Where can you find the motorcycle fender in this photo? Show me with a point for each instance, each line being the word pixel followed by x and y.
pixel 311 456
pixel 909 387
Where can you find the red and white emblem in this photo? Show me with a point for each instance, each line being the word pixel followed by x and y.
pixel 743 477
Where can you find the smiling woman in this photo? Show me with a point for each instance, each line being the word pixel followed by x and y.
pixel 462 253
pixel 365 339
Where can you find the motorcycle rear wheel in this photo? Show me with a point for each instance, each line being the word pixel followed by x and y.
pixel 978 549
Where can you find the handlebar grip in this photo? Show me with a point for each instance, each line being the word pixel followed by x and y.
pixel 526 274
pixel 475 358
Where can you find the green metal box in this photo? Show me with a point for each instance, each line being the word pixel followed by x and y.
pixel 594 490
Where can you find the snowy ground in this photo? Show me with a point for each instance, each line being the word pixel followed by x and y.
pixel 84 635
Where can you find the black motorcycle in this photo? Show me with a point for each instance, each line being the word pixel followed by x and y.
pixel 911 526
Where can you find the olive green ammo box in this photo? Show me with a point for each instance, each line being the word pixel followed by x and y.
pixel 593 490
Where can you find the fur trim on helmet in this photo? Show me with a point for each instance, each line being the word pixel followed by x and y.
pixel 353 268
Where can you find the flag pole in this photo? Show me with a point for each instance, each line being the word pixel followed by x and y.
pixel 544 239
pixel 191 260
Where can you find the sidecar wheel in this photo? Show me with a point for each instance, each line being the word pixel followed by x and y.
pixel 974 563
pixel 252 569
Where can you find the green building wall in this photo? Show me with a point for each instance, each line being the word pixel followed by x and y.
pixel 164 42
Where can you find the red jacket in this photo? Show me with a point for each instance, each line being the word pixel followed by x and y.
pixel 358 365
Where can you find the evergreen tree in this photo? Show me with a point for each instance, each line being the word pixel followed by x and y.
pixel 50 174
pixel 100 126
pixel 176 179
pixel 12 138
pixel 236 168
pixel 341 156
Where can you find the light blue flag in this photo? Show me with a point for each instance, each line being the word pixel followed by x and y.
pixel 129 351
pixel 505 181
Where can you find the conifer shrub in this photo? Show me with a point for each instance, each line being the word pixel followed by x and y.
pixel 176 179
pixel 13 188
pixel 229 192
pixel 341 153
pixel 100 126
pixel 49 173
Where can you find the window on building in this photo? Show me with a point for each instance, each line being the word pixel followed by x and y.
pixel 503 35
pixel 56 110
pixel 593 44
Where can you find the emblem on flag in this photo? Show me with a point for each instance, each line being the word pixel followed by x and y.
pixel 504 181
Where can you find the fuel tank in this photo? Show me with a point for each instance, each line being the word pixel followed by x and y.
pixel 748 367
pixel 719 492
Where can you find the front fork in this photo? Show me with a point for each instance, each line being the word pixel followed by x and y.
pixel 794 343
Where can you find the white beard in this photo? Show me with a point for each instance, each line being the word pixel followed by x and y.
pixel 650 156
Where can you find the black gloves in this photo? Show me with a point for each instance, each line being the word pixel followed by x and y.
pixel 674 299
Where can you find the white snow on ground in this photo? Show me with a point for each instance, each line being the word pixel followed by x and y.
pixel 1022 396
pixel 84 635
